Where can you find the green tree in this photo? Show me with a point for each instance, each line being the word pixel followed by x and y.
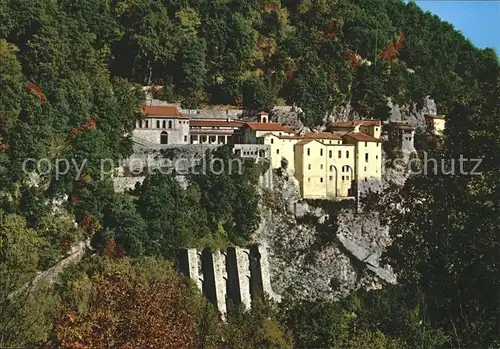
pixel 256 328
pixel 25 312
pixel 128 227
pixel 162 204
pixel 445 227
pixel 256 95
pixel 319 324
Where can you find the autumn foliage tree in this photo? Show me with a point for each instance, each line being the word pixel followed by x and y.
pixel 391 50
pixel 131 305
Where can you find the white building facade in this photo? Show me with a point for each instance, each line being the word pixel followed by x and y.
pixel 162 125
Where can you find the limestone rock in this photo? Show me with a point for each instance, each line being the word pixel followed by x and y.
pixel 309 259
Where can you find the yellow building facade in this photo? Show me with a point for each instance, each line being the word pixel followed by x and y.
pixel 282 150
pixel 368 155
pixel 436 123
pixel 327 165
pixel 323 170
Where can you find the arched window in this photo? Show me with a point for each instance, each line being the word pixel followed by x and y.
pixel 164 138
pixel 164 124
pixel 140 123
pixel 157 123
pixel 331 168
pixel 170 124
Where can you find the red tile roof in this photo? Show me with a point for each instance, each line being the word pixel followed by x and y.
pixel 368 122
pixel 211 132
pixel 323 135
pixel 289 137
pixel 216 123
pixel 361 137
pixel 260 126
pixel 281 137
pixel 405 127
pixel 304 141
pixel 162 111
pixel 428 116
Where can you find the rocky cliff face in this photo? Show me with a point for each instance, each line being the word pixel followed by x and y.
pixel 410 113
pixel 320 251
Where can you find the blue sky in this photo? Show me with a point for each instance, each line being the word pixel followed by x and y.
pixel 479 21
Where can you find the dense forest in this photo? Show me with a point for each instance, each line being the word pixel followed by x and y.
pixel 71 74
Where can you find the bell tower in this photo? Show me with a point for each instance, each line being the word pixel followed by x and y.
pixel 263 117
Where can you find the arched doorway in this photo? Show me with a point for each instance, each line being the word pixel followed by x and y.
pixel 332 185
pixel 164 138
pixel 347 178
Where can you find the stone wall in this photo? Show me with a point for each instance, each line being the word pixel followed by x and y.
pixel 213 113
pixel 231 277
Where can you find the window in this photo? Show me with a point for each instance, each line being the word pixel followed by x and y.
pixel 340 154
pixel 330 154
pixel 185 138
pixel 330 142
pixel 330 178
pixel 378 144
pixel 321 166
pixel 309 179
pixel 164 124
pixel 321 179
pixel 140 123
pixel 376 157
pixel 277 151
pixel 343 178
pixel 346 178
pixel 331 168
pixel 365 168
pixel 366 157
pixel 147 123
pixel 345 168
pixel 347 154
pixel 309 166
pixel 164 138
pixel 376 128
pixel 157 123
pixel 321 152
pixel 170 124
pixel 308 151
pixel 366 144
pixel 272 141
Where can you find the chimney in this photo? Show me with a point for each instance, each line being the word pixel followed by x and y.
pixel 356 129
